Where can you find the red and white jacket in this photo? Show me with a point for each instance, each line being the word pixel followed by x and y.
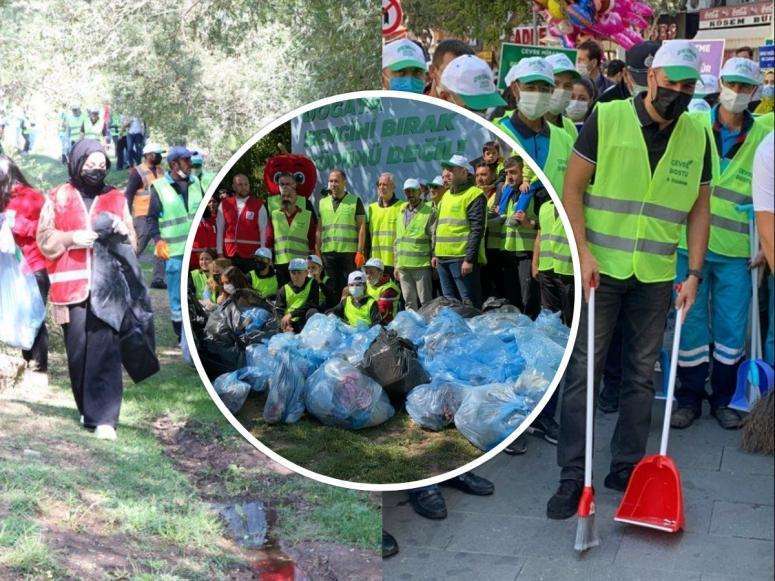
pixel 241 235
pixel 70 273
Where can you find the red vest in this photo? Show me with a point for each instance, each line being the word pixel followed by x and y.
pixel 242 236
pixel 70 273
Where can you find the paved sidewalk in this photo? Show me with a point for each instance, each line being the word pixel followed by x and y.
pixel 728 497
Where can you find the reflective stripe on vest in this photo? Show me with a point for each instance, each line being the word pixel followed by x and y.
pixel 382 229
pixel 296 300
pixel 266 286
pixel 413 245
pixel 355 314
pixel 175 219
pixel 633 218
pixel 452 225
pixel 375 292
pixel 495 232
pixel 519 238
pixel 290 241
pixel 339 229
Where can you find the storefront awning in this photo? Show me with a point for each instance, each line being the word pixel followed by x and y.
pixel 736 37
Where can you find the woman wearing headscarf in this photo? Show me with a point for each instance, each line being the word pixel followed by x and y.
pixel 21 204
pixel 66 236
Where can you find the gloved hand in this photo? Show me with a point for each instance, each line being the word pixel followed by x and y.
pixel 119 226
pixel 360 259
pixel 84 238
pixel 162 250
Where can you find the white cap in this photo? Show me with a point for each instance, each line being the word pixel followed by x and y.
pixel 403 54
pixel 374 263
pixel 471 79
pixel 561 64
pixel 297 264
pixel 316 259
pixel 263 253
pixel 458 161
pixel 411 184
pixel 152 148
pixel 680 60
pixel 356 277
pixel 707 85
pixel 741 70
pixel 511 76
pixel 534 68
pixel 437 181
pixel 698 105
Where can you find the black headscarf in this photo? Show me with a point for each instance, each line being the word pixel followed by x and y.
pixel 77 158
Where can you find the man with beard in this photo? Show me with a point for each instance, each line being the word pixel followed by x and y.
pixel 242 225
pixel 294 228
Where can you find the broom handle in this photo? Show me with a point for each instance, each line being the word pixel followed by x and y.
pixel 679 315
pixel 590 387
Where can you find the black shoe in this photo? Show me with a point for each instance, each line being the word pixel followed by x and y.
pixel 389 545
pixel 429 503
pixel 158 284
pixel 546 428
pixel 727 418
pixel 618 480
pixel 565 502
pixel 517 447
pixel 683 418
pixel 470 483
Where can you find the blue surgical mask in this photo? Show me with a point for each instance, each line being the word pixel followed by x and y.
pixel 768 91
pixel 408 84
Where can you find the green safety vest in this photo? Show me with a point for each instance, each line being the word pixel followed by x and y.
pixel 74 126
pixel 355 314
pixel 546 246
pixel 93 130
pixel 321 291
pixel 452 225
pixel 115 125
pixel 290 241
pixel 199 279
pixel 206 179
pixel 296 300
pixel 266 286
pixel 339 228
pixel 495 234
pixel 728 227
pixel 175 220
pixel 633 218
pixel 413 245
pixel 274 203
pixel 382 229
pixel 519 238
pixel 570 127
pixel 375 292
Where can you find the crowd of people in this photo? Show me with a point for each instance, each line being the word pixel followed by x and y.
pixel 661 170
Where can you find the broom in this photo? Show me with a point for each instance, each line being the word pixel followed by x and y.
pixel 758 433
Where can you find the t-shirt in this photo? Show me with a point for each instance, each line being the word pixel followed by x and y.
pixel 763 181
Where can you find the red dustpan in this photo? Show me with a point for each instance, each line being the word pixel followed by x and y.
pixel 653 497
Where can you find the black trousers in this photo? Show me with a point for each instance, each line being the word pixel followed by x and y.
pixel 39 350
pixel 338 266
pixel 557 294
pixel 521 288
pixel 94 364
pixel 493 284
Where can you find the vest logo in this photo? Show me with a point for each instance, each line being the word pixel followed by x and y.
pixel 689 54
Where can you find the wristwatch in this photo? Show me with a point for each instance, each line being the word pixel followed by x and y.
pixel 696 273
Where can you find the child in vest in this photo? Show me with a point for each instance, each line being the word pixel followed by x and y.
pixel 317 272
pixel 263 276
pixel 357 307
pixel 200 275
pixel 383 289
pixel 212 296
pixel 297 300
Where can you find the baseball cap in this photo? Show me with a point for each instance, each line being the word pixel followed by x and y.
pixel 263 253
pixel 403 54
pixel 152 148
pixel 411 184
pixel 374 263
pixel 707 85
pixel 177 152
pixel 639 59
pixel 511 76
pixel 297 264
pixel 680 60
pixel 316 259
pixel 562 64
pixel 458 161
pixel 698 105
pixel 438 181
pixel 534 68
pixel 741 70
pixel 356 277
pixel 471 79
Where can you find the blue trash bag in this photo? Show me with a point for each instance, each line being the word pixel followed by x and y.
pixel 324 334
pixel 340 395
pixel 550 325
pixel 533 385
pixel 433 405
pixel 489 414
pixel 257 355
pixel 472 358
pixel 358 343
pixel 291 343
pixel 254 319
pixel 445 324
pixel 285 402
pixel 539 351
pixel 232 390
pixel 499 323
pixel 410 325
pixel 257 377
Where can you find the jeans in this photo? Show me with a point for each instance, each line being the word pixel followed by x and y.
pixel 456 286
pixel 641 309
pixel 143 238
pixel 172 270
pixel 134 148
pixel 769 343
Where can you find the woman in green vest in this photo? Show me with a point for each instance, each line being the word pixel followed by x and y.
pixel 297 300
pixel 200 275
pixel 263 277
pixel 357 307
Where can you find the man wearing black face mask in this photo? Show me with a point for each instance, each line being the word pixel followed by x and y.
pixel 640 170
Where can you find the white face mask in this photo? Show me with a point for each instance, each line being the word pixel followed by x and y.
pixel 582 69
pixel 229 289
pixel 533 104
pixel 576 109
pixel 356 291
pixel 733 102
pixel 559 100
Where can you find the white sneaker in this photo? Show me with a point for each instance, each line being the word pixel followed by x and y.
pixel 105 432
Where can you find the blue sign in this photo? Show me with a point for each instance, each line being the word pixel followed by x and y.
pixel 767 57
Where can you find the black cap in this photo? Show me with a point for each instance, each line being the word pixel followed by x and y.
pixel 639 58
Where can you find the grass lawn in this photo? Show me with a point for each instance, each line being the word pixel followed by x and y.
pixel 140 508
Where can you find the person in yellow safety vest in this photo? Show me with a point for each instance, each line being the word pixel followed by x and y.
pixel 200 275
pixel 381 218
pixel 565 74
pixel 723 301
pixel 94 126
pixel 486 179
pixel 316 271
pixel 263 277
pixel 341 235
pixel 640 169
pixel 357 308
pixel 138 196
pixel 294 227
pixel 298 299
pixel 174 200
pixel 414 232
pixel 383 289
pixel 197 169
pixel 75 121
pixel 437 188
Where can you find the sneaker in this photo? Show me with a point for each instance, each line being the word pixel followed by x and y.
pixel 565 502
pixel 727 418
pixel 546 428
pixel 105 432
pixel 683 417
pixel 517 447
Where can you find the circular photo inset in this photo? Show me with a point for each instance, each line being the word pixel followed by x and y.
pixel 364 290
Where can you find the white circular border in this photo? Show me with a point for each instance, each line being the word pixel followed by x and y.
pixel 363 485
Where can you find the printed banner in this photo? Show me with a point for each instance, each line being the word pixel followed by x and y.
pixel 512 53
pixel 711 54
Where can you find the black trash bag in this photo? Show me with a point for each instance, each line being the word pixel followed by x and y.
pixel 430 309
pixel 138 343
pixel 223 324
pixel 392 362
pixel 109 296
pixel 219 358
pixel 498 303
